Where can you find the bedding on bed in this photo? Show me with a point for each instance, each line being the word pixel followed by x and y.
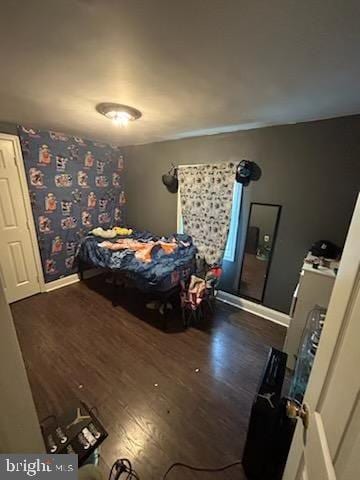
pixel 149 260
pixel 143 250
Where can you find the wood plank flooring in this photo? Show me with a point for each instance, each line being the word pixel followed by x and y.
pixel 163 397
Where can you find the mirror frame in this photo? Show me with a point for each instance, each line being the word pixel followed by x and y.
pixel 276 227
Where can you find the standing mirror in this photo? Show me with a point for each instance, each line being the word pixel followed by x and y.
pixel 259 245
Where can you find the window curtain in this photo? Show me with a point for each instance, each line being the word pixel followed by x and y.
pixel 206 193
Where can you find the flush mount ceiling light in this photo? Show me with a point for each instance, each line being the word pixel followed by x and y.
pixel 119 114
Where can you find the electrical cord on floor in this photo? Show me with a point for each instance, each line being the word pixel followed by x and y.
pixel 200 469
pixel 123 465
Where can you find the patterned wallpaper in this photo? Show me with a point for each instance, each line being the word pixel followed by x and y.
pixel 75 185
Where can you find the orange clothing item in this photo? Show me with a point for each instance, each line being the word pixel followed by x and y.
pixel 167 247
pixel 144 253
pixel 142 250
pixel 124 243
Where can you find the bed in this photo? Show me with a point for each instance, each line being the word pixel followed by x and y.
pixel 161 274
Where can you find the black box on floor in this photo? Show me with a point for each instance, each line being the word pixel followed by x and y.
pixel 64 434
pixel 270 430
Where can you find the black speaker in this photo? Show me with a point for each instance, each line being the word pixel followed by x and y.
pixel 270 430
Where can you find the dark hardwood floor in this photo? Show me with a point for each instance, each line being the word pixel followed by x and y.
pixel 157 407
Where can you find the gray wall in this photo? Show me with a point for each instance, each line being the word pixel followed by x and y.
pixel 311 169
pixel 9 128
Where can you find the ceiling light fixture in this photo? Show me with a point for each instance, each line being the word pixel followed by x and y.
pixel 119 114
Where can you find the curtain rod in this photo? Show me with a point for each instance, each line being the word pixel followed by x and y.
pixel 201 164
pixel 192 165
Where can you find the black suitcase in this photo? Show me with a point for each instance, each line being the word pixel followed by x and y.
pixel 270 430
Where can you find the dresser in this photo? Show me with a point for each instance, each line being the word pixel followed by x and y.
pixel 314 288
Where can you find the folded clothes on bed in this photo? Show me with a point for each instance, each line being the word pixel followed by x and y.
pixel 143 250
pixel 100 232
pixel 111 232
pixel 123 231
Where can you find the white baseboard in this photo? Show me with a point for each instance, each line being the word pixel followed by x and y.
pixel 70 279
pixel 255 308
pixel 61 282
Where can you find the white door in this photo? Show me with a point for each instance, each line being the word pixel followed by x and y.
pixel 329 448
pixel 19 426
pixel 18 267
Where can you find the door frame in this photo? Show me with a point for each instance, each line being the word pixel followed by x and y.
pixel 20 428
pixel 19 162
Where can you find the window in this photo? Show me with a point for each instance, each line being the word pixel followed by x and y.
pixel 229 254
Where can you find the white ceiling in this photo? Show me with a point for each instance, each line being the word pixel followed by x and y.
pixel 191 66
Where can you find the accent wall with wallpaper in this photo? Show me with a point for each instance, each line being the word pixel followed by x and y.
pixel 74 185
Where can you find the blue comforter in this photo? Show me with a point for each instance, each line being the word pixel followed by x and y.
pixel 152 273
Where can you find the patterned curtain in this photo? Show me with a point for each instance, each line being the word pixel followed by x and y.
pixel 206 196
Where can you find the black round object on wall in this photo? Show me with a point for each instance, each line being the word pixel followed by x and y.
pixel 171 181
pixel 244 172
